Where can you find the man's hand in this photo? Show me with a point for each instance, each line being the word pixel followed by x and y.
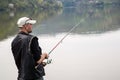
pixel 43 57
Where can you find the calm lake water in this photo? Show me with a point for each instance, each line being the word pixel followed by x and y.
pixel 90 52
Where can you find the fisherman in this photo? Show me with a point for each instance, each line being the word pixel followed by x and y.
pixel 27 53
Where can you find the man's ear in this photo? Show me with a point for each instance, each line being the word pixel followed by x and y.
pixel 25 27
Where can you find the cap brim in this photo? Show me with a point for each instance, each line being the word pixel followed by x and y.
pixel 31 21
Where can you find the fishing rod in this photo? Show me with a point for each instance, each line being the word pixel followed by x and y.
pixel 49 60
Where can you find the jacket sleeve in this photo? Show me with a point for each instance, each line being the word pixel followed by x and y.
pixel 35 49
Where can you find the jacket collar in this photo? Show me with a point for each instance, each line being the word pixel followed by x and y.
pixel 23 33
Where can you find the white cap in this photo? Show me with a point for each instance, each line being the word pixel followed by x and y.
pixel 25 20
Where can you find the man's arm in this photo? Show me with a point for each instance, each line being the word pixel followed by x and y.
pixel 37 51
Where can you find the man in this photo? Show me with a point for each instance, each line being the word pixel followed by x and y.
pixel 27 52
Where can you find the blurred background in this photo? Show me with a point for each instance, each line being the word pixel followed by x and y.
pixel 90 52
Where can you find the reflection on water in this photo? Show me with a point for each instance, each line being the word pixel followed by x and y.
pixel 96 20
pixel 8 26
pixel 80 56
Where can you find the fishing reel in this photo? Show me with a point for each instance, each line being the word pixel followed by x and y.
pixel 47 62
pixel 44 63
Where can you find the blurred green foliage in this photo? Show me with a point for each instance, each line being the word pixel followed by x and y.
pixel 30 4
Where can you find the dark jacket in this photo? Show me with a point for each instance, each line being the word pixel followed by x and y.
pixel 24 59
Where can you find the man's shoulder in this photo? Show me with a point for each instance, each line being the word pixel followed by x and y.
pixel 33 37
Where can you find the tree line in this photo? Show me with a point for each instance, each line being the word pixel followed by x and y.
pixel 29 4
